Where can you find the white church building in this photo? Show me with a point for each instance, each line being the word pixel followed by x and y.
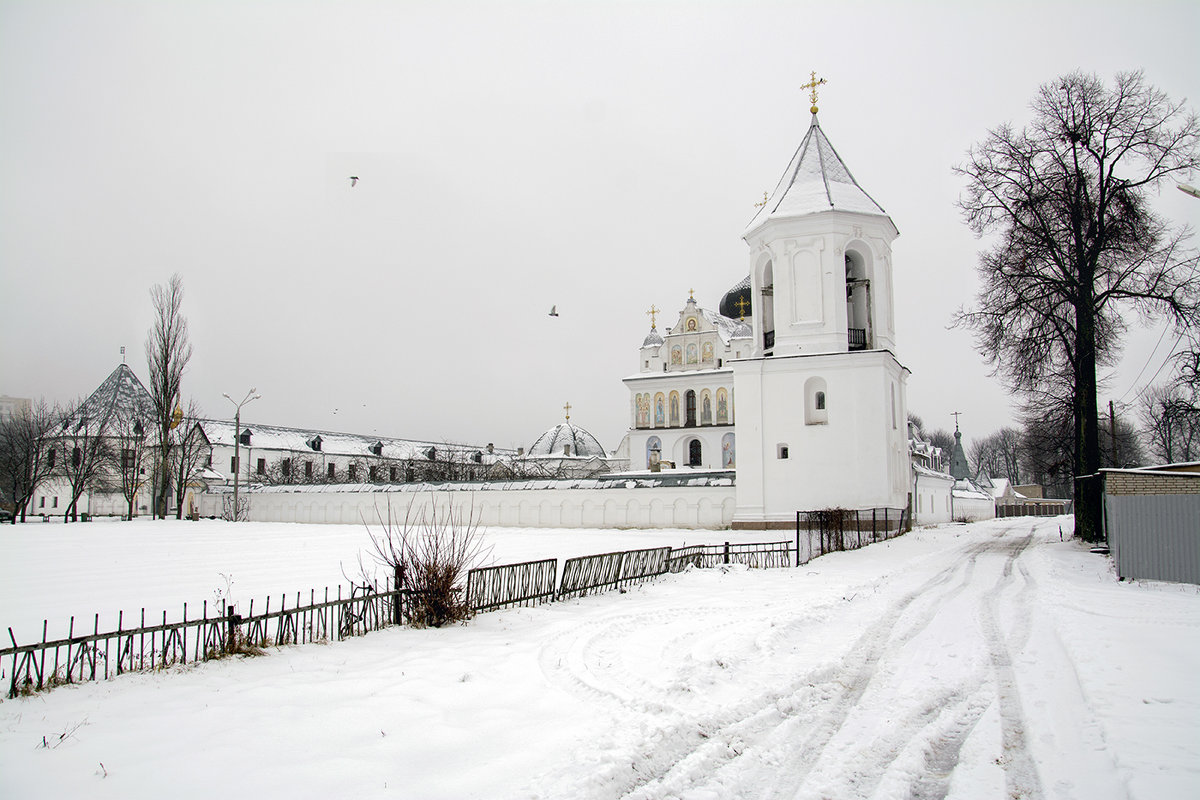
pixel 809 360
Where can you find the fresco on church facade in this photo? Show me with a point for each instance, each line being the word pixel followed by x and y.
pixel 643 410
pixel 728 454
pixel 691 353
pixel 674 409
pixel 706 355
pixel 676 356
pixel 660 419
pixel 691 324
pixel 722 407
pixel 706 408
pixel 653 450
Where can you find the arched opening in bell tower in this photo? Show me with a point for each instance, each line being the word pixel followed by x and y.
pixel 766 302
pixel 858 302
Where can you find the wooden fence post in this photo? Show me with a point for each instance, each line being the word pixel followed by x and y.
pixel 797 540
pixel 232 622
pixel 397 609
pixel 727 552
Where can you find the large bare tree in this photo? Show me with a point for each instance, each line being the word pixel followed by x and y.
pixel 1077 247
pixel 27 457
pixel 85 452
pixel 168 351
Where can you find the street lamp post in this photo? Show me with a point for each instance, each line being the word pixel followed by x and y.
pixel 237 441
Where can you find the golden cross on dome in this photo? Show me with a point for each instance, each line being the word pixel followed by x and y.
pixel 652 313
pixel 567 408
pixel 741 305
pixel 812 90
pixel 691 295
pixel 956 415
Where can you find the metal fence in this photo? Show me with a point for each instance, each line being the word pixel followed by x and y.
pixel 102 655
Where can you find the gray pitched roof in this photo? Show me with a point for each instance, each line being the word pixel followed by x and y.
pixel 121 394
pixel 815 180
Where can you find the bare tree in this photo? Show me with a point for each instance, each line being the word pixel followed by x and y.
pixel 1078 246
pixel 27 457
pixel 129 430
pixel 998 454
pixel 85 449
pixel 168 351
pixel 1172 423
pixel 190 451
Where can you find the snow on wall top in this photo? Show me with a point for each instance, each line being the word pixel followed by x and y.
pixel 815 180
pixel 276 437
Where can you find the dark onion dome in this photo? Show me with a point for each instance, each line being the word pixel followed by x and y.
pixel 552 442
pixel 729 303
pixel 653 338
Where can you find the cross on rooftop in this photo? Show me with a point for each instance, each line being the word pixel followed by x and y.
pixel 956 415
pixel 567 408
pixel 812 90
pixel 741 305
pixel 692 295
pixel 652 313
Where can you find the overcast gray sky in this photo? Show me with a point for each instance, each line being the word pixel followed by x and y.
pixel 601 156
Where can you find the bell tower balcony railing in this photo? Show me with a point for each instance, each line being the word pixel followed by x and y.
pixel 857 338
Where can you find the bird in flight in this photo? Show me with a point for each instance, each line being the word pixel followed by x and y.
pixel 353 180
pixel 554 311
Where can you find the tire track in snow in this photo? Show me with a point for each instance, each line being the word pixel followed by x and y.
pixel 814 706
pixel 1020 773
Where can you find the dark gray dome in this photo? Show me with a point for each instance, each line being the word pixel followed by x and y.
pixel 730 305
pixel 553 442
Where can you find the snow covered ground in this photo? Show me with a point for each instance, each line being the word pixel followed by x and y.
pixel 989 660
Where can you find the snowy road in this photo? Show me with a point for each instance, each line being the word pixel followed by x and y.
pixel 989 660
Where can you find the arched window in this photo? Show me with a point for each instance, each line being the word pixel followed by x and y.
pixel 690 420
pixel 695 453
pixel 858 302
pixel 766 301
pixel 815 402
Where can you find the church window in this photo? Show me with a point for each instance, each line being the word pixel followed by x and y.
pixel 691 354
pixel 646 365
pixel 676 356
pixel 392 473
pixel 781 450
pixel 308 470
pixel 377 448
pixel 674 409
pixel 261 466
pixel 706 408
pixel 706 353
pixel 372 473
pixel 331 472
pixel 315 443
pixel 722 407
pixel 351 470
pixel 42 501
pixel 815 412
pixel 76 457
pixel 50 458
pixel 245 437
pixel 233 463
pixel 285 467
pixel 54 502
pixel 695 453
pixel 690 398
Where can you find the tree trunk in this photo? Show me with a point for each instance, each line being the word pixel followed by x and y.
pixel 1087 460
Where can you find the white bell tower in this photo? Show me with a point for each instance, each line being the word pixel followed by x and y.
pixel 822 398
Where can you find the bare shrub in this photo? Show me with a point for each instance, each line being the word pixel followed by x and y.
pixel 431 550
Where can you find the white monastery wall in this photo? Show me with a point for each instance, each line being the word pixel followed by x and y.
pixel 704 507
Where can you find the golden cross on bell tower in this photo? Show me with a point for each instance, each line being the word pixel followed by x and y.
pixel 567 408
pixel 812 90
pixel 652 313
pixel 691 295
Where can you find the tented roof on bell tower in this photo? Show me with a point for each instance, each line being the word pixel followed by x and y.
pixel 816 180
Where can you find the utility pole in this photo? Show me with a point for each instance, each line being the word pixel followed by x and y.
pixel 237 441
